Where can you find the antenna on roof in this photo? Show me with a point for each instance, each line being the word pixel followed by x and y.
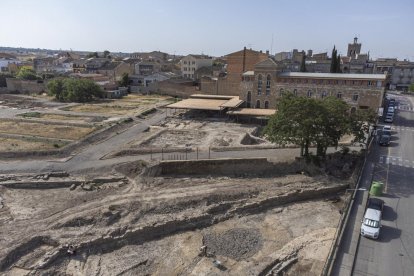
pixel 271 46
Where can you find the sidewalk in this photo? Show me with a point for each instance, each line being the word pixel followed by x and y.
pixel 344 262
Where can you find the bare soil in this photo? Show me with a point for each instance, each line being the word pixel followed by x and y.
pixel 15 144
pixel 157 225
pixel 127 106
pixel 44 130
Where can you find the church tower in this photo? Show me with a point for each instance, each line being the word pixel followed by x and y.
pixel 354 49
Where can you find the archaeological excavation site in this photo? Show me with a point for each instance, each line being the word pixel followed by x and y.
pixel 160 194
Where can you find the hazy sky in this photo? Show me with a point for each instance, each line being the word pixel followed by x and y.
pixel 215 27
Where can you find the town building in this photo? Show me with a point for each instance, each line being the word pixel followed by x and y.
pixel 263 87
pixel 191 63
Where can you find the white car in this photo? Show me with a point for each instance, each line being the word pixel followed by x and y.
pixel 371 224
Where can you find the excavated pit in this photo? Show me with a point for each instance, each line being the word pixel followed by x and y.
pixel 155 221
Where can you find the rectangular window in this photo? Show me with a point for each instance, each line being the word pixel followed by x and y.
pixel 379 83
pixel 369 83
pixel 193 62
pixel 355 97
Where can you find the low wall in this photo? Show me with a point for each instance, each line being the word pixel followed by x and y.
pixel 25 86
pixel 225 167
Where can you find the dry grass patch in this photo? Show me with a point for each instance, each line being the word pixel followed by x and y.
pixel 61 117
pixel 12 144
pixel 131 104
pixel 44 130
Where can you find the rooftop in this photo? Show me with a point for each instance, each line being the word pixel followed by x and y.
pixel 334 76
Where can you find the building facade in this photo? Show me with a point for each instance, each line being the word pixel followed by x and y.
pixel 191 63
pixel 264 87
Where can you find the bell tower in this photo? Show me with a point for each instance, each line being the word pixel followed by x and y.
pixel 354 49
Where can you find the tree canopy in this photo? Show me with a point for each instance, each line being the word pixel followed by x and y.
pixel 335 62
pixel 91 55
pixel 124 80
pixel 411 88
pixel 74 90
pixel 307 121
pixel 303 63
pixel 106 54
pixel 27 74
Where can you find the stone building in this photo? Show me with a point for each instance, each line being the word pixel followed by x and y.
pixel 237 63
pixel 191 63
pixel 263 87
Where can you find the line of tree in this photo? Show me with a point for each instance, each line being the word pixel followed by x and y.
pixel 74 90
pixel 106 54
pixel 335 62
pixel 310 122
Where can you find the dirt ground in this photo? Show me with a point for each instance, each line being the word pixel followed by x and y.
pixel 158 225
pixel 135 220
pixel 193 133
pixel 127 106
pixel 14 144
pixel 44 130
pixel 67 118
pixel 42 117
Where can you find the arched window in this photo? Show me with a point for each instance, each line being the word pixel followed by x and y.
pixel 353 110
pixel 281 92
pixel 268 85
pixel 258 104
pixel 295 92
pixel 266 104
pixel 249 99
pixel 259 85
pixel 309 93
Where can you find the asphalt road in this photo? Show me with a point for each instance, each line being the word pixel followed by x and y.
pixel 393 253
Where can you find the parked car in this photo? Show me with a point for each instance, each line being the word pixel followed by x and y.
pixel 389 118
pixel 375 203
pixel 371 223
pixel 386 130
pixel 385 140
pixel 390 109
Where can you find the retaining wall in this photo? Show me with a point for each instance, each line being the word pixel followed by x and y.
pixel 238 167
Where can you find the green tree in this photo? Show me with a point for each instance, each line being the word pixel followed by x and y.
pixel 106 54
pixel 124 80
pixel 411 88
pixel 361 121
pixel 91 55
pixel 74 90
pixel 334 61
pixel 333 123
pixel 55 88
pixel 292 123
pixel 338 65
pixel 303 63
pixel 27 74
